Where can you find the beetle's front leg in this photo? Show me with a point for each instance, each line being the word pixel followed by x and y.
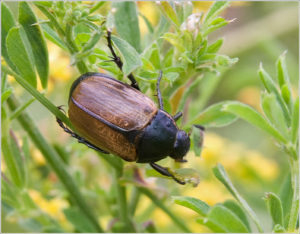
pixel 79 138
pixel 164 171
pixel 119 63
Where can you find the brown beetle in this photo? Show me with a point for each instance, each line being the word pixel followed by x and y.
pixel 114 117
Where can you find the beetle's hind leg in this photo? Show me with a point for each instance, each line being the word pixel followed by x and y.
pixel 164 171
pixel 79 138
pixel 118 61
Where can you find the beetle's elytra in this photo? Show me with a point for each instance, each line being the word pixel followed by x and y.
pixel 113 117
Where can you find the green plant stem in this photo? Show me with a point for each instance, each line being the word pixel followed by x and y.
pixel 294 213
pixel 135 197
pixel 52 20
pixel 54 161
pixel 122 202
pixel 161 205
pixel 41 98
pixel 18 111
pixel 82 67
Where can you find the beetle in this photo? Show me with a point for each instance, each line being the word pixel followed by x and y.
pixel 114 117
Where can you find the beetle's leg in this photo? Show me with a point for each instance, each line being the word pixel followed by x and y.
pixel 79 138
pixel 118 61
pixel 177 116
pixel 160 101
pixel 164 171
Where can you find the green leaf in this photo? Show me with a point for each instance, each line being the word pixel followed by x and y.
pixel 19 54
pixel 274 113
pixel 275 208
pixel 162 27
pixel 295 121
pixel 148 23
pixel 9 193
pixel 169 12
pixel 287 96
pixel 222 176
pixel 284 80
pixel 36 39
pixel 211 225
pixel 215 24
pixel 174 40
pixel 192 203
pixel 282 72
pixel 82 38
pixel 11 160
pixel 214 47
pixel 239 212
pixel 224 60
pixel 225 219
pixel 90 44
pixel 44 3
pixel 129 55
pixel 18 157
pixel 5 95
pixel 44 101
pixel 278 229
pixel 147 65
pixel 26 148
pixel 197 140
pixel 127 24
pixel 21 108
pixel 97 6
pixel 7 22
pixel 154 57
pixel 170 76
pixel 52 36
pixel 79 221
pixel 271 88
pixel 214 116
pixel 214 10
pixel 183 10
pixel 189 90
pixel 253 117
pixel 286 196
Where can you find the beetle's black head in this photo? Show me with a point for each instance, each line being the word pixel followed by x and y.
pixel 181 146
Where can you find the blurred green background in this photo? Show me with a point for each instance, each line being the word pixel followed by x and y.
pixel 260 32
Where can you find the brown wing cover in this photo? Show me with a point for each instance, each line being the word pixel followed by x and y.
pixel 115 102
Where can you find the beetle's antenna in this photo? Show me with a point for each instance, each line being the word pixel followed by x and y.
pixel 118 61
pixel 160 101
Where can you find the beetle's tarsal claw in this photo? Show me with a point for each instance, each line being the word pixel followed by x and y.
pixel 199 126
pixel 178 181
pixel 181 160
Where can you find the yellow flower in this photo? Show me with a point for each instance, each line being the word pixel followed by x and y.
pixel 209 191
pixel 60 67
pixel 53 207
pixel 38 157
pixel 251 96
pixel 264 167
pixel 3 167
pixel 147 9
